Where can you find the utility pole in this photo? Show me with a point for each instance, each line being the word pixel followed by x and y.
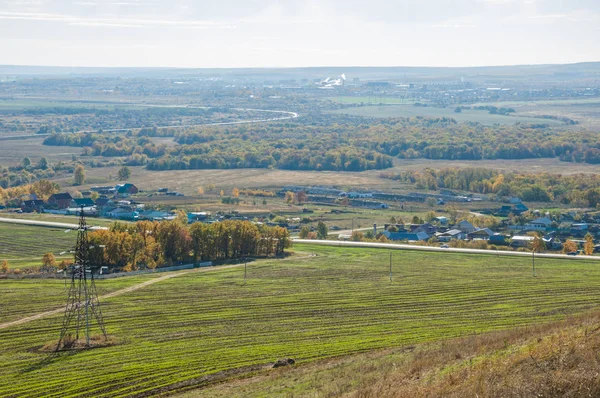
pixel 390 266
pixel 533 262
pixel 245 268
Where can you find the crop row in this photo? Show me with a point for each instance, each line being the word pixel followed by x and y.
pixel 339 302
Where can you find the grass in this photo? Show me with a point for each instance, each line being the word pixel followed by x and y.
pixel 59 218
pixel 467 115
pixel 31 243
pixel 553 359
pixel 23 297
pixel 180 333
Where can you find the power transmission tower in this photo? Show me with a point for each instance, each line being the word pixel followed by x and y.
pixel 83 306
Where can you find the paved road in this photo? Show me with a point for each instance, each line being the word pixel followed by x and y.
pixel 45 223
pixel 394 246
pixel 349 231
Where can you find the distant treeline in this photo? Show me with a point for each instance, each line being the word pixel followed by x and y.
pixel 154 244
pixel 574 189
pixel 354 145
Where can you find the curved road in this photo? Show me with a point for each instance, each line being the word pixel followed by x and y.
pixel 282 115
pixel 396 246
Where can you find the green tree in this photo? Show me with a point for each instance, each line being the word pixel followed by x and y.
pixel 79 175
pixel 304 232
pixel 26 162
pixel 124 173
pixel 322 230
pixel 43 164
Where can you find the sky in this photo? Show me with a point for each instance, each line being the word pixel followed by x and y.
pixel 286 33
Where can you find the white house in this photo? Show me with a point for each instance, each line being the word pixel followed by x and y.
pixel 540 224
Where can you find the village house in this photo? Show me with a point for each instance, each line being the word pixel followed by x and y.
pixel 480 234
pixel 82 202
pixel 33 205
pixel 405 235
pixel 465 226
pixel 540 224
pixel 125 190
pixel 453 234
pixel 521 241
pixel 60 200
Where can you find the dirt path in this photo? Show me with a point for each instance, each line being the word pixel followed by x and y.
pixel 115 294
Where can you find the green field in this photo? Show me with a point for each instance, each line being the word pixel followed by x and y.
pixel 339 301
pixel 467 115
pixel 371 100
pixel 30 242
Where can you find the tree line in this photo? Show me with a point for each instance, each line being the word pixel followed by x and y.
pixel 573 189
pixel 155 244
pixel 369 143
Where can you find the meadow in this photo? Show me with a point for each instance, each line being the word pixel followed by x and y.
pixel 467 115
pixel 30 243
pixel 186 332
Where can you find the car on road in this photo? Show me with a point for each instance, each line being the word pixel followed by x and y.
pixel 444 246
pixel 572 253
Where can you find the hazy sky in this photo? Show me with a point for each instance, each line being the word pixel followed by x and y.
pixel 271 33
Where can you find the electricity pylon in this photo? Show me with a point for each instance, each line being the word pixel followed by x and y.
pixel 83 306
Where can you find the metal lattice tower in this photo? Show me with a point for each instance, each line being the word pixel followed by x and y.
pixel 83 306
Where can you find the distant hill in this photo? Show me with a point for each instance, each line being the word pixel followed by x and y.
pixel 578 71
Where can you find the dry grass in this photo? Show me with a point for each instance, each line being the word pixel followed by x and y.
pixel 556 359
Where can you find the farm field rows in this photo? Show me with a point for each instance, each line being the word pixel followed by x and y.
pixel 31 296
pixel 24 241
pixel 467 115
pixel 338 301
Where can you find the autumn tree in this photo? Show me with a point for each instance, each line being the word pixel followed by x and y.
pixel 43 189
pixel 222 193
pixel 538 245
pixel 301 197
pixel 588 247
pixel 4 267
pixel 569 246
pixel 48 260
pixel 357 236
pixel 235 193
pixel 79 175
pixel 200 191
pixel 289 197
pixel 124 173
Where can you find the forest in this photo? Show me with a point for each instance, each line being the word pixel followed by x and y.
pixel 356 144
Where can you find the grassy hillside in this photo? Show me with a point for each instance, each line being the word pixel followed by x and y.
pixel 549 360
pixel 192 330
